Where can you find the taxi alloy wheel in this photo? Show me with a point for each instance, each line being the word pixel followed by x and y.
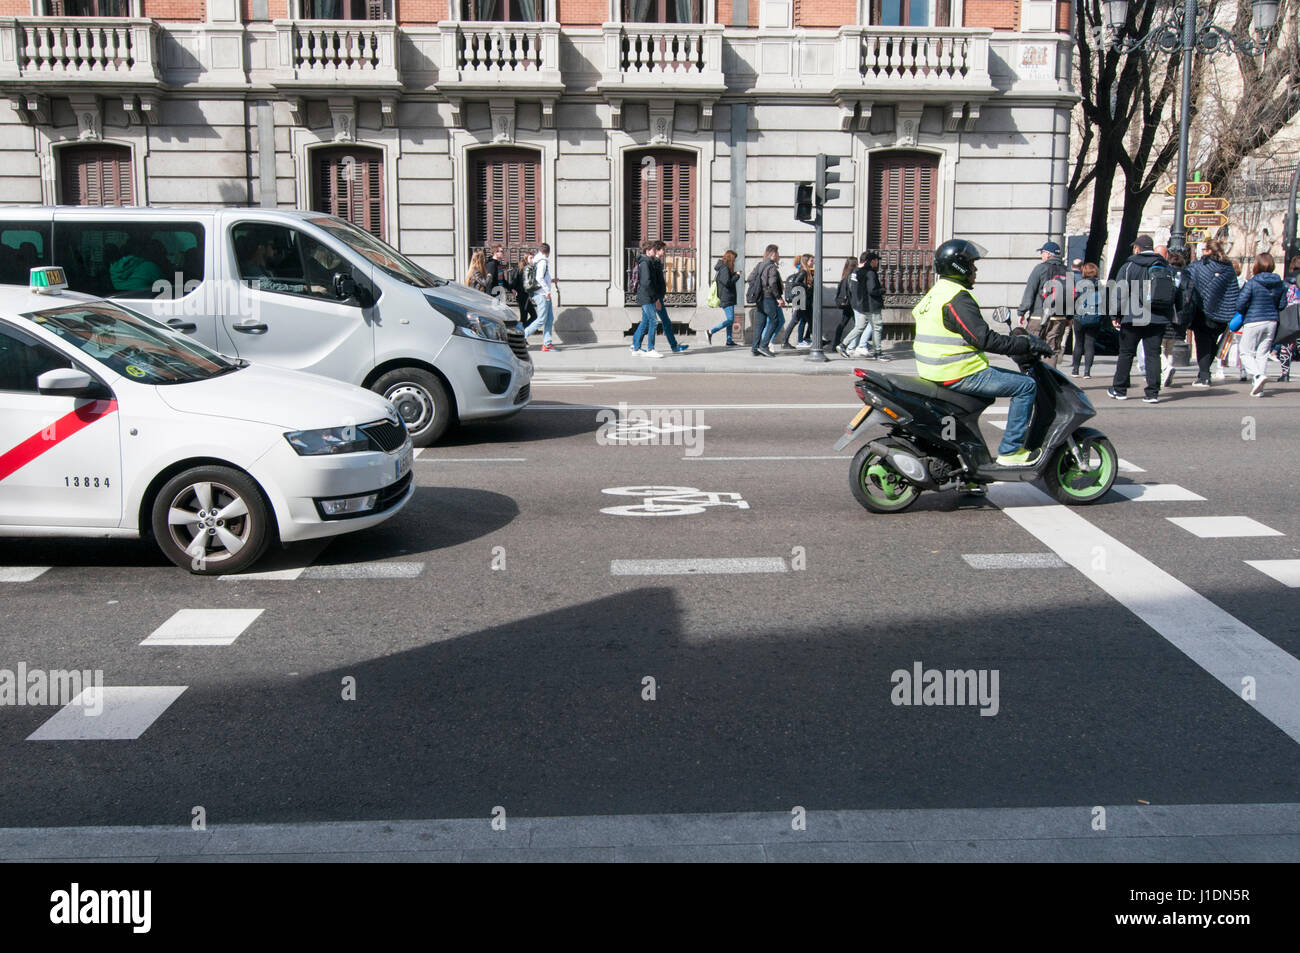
pixel 211 521
pixel 421 401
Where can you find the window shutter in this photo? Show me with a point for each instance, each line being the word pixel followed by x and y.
pixel 349 183
pixel 506 203
pixel 96 175
pixel 902 196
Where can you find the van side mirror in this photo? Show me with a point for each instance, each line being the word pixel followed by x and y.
pixel 65 382
pixel 345 286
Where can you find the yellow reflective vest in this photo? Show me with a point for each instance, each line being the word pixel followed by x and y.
pixel 942 355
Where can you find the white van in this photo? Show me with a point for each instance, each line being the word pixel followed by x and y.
pixel 300 290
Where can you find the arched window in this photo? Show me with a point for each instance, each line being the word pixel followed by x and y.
pixel 659 189
pixel 97 174
pixel 349 182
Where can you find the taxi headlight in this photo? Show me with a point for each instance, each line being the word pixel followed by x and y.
pixel 315 443
pixel 473 324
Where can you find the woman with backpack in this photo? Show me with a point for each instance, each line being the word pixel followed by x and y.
pixel 1286 352
pixel 725 280
pixel 843 294
pixel 1089 311
pixel 527 310
pixel 1216 286
pixel 800 282
pixel 1257 312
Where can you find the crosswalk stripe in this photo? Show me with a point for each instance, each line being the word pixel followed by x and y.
pixel 21 573
pixel 408 570
pixel 1156 492
pixel 1014 561
pixel 1285 571
pixel 686 567
pixel 1222 527
pixel 1232 652
pixel 127 711
pixel 203 627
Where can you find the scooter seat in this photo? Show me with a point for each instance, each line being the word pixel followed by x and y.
pixel 923 388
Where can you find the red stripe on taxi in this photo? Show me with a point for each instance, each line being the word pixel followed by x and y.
pixel 50 437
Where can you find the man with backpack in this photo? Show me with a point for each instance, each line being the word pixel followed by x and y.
pixel 537 284
pixel 765 290
pixel 1046 299
pixel 1146 283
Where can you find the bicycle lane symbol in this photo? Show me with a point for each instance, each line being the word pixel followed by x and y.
pixel 670 501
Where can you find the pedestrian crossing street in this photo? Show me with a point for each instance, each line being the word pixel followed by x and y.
pixel 129 711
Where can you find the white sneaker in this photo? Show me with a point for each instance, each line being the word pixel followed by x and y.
pixel 653 354
pixel 859 352
pixel 1257 387
pixel 1169 375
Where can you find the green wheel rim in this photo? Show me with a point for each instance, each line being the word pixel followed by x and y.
pixel 1083 484
pixel 881 483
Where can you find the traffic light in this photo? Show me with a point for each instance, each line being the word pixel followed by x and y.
pixel 826 178
pixel 804 209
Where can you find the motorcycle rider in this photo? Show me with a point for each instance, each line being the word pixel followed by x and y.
pixel 951 341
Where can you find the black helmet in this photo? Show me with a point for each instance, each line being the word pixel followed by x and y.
pixel 956 259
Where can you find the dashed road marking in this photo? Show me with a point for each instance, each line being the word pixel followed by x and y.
pixel 365 571
pixel 203 627
pixel 1228 649
pixel 269 575
pixel 771 458
pixel 473 459
pixel 127 711
pixel 21 573
pixel 1285 571
pixel 1000 424
pixel 1126 467
pixel 1219 527
pixel 1014 561
pixel 686 567
pixel 1156 492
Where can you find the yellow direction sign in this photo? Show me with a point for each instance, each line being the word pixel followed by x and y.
pixel 1205 221
pixel 1206 205
pixel 1193 188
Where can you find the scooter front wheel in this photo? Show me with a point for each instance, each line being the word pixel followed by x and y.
pixel 1077 482
pixel 878 486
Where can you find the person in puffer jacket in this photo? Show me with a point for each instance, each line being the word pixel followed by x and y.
pixel 1257 311
pixel 1216 285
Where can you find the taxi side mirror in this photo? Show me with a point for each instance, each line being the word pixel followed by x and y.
pixel 65 382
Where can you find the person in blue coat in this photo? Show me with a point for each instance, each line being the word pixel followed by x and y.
pixel 1216 286
pixel 1257 311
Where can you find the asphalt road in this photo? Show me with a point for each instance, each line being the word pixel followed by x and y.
pixel 522 685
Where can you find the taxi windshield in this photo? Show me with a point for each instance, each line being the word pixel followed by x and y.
pixel 131 344
pixel 378 253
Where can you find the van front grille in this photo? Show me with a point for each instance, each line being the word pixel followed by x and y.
pixel 519 344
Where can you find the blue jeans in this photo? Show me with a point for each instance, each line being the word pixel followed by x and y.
pixel 667 327
pixel 646 329
pixel 730 311
pixel 996 382
pixel 767 328
pixel 545 318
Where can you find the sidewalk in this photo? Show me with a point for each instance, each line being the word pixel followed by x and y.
pixel 1212 833
pixel 701 358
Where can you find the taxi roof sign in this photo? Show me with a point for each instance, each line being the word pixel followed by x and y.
pixel 48 280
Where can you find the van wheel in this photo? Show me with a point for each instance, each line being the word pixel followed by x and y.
pixel 211 521
pixel 421 401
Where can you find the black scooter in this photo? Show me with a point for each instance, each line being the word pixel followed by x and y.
pixel 934 441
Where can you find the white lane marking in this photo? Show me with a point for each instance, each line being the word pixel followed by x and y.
pixel 473 459
pixel 1285 571
pixel 365 571
pixel 1227 648
pixel 274 575
pixel 1014 561
pixel 671 500
pixel 685 567
pixel 21 573
pixel 586 380
pixel 771 458
pixel 1156 492
pixel 1216 527
pixel 203 627
pixel 127 711
pixel 415 455
pixel 1000 424
pixel 630 406
pixel 1126 467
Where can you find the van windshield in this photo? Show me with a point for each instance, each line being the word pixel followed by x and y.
pixel 378 253
pixel 132 345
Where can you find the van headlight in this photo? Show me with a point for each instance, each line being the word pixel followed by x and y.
pixel 473 324
pixel 315 443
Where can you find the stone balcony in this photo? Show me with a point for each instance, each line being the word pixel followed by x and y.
pixel 504 58
pixel 655 60
pixel 70 52
pixel 939 60
pixel 342 56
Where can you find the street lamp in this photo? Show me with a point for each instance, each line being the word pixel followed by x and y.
pixel 1191 32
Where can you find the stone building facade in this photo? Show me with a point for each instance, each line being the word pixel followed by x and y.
pixel 447 125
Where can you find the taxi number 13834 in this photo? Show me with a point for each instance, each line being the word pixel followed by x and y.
pixel 85 481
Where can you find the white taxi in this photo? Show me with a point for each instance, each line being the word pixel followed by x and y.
pixel 113 425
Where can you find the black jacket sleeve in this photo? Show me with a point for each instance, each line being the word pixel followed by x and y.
pixel 875 294
pixel 1032 287
pixel 962 316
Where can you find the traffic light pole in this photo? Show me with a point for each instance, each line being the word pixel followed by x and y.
pixel 816 353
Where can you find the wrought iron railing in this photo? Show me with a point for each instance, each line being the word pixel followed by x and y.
pixel 680 278
pixel 514 256
pixel 905 275
pixel 1267 183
